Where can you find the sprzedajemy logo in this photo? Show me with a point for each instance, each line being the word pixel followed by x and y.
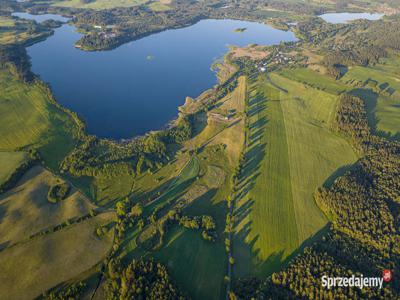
pixel 357 281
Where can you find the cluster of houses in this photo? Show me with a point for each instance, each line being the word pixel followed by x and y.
pixel 282 58
pixel 262 67
pixel 106 31
pixel 278 58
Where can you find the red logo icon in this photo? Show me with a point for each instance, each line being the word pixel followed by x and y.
pixel 387 275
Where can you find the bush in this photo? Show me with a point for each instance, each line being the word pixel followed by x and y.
pixel 58 192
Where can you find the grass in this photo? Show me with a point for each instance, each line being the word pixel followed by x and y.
pixel 25 209
pixel 109 190
pixel 314 79
pixel 290 153
pixel 31 268
pixel 196 265
pixel 6 21
pixel 30 118
pixel 12 31
pixel 384 110
pixel 158 6
pixel 177 187
pixel 9 162
pixel 216 133
pixel 99 4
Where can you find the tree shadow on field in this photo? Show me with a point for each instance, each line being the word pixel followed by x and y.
pixel 250 170
pixel 336 174
pixel 279 260
pixel 370 99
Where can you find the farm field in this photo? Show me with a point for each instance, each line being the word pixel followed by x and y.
pixel 44 262
pixel 29 117
pixel 315 79
pixel 197 266
pixel 99 4
pixel 26 210
pixel 383 108
pixel 9 161
pixel 290 153
pixel 6 21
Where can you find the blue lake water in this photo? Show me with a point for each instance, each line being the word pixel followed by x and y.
pixel 122 93
pixel 337 18
pixel 40 18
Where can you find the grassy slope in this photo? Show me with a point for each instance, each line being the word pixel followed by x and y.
pixel 291 152
pixel 25 209
pixel 99 4
pixel 29 117
pixel 385 110
pixel 12 32
pixel 198 266
pixel 9 161
pixel 216 133
pixel 44 262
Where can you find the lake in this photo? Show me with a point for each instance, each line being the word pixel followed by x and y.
pixel 40 18
pixel 138 86
pixel 337 18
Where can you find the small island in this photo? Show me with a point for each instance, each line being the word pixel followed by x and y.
pixel 240 29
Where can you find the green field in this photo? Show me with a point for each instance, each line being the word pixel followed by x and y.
pixel 9 161
pixel 314 79
pixel 383 109
pixel 30 118
pixel 290 153
pixel 199 266
pixel 178 186
pixel 196 265
pixel 26 210
pixel 6 21
pixel 99 4
pixel 31 268
pixel 158 6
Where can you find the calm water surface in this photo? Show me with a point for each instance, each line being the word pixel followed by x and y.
pixel 337 18
pixel 138 86
pixel 40 18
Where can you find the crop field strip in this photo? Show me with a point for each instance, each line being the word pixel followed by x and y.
pixel 9 161
pixel 27 210
pixel 291 152
pixel 28 117
pixel 42 263
pixel 156 6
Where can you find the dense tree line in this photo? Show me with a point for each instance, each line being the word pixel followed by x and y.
pixel 140 280
pixel 95 156
pixel 16 59
pixel 73 291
